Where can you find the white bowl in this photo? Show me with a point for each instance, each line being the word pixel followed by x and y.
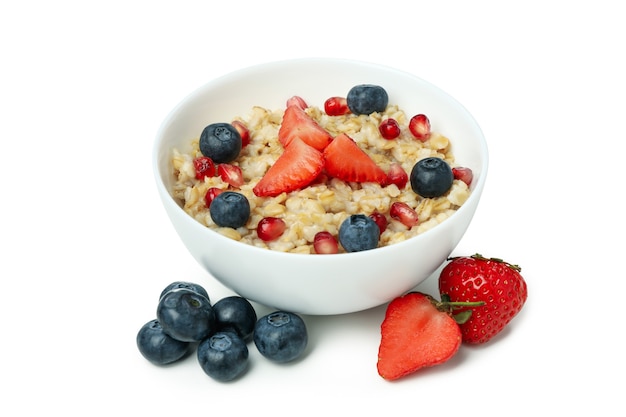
pixel 318 284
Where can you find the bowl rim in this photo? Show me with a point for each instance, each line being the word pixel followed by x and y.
pixel 476 187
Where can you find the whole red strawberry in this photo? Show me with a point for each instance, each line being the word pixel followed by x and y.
pixel 498 284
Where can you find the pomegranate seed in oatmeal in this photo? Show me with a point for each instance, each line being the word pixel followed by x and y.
pixel 270 228
pixel 204 167
pixel 380 220
pixel 336 106
pixel 404 214
pixel 397 175
pixel 243 132
pixel 419 125
pixel 464 174
pixel 230 174
pixel 389 129
pixel 325 243
pixel 210 195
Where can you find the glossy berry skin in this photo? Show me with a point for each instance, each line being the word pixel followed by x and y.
pixel 186 315
pixel 358 233
pixel 223 356
pixel 158 347
pixel 270 228
pixel 389 129
pixel 325 243
pixel 237 314
pixel 230 209
pixel 185 284
pixel 336 106
pixel 281 336
pixel 431 177
pixel 498 284
pixel 367 98
pixel 204 167
pixel 221 142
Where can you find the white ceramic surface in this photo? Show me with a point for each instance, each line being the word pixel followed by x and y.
pixel 310 284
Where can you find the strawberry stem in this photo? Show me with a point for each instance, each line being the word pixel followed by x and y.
pixel 449 306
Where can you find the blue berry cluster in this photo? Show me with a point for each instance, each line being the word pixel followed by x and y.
pixel 220 332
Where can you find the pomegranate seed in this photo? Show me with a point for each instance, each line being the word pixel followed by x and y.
pixel 210 195
pixel 403 213
pixel 389 129
pixel 230 174
pixel 204 167
pixel 243 132
pixel 324 243
pixel 419 125
pixel 397 175
pixel 380 220
pixel 464 174
pixel 336 106
pixel 298 102
pixel 270 228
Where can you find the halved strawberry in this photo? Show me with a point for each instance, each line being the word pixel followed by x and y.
pixel 415 334
pixel 297 101
pixel 295 168
pixel 346 161
pixel 297 123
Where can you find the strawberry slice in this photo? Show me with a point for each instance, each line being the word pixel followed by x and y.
pixel 415 334
pixel 295 168
pixel 346 161
pixel 297 123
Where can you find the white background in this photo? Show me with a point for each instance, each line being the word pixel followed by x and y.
pixel 87 247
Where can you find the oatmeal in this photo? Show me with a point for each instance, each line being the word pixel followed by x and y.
pixel 325 203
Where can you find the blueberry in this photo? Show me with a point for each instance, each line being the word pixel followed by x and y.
pixel 186 315
pixel 235 313
pixel 230 209
pixel 367 99
pixel 358 233
pixel 158 347
pixel 221 142
pixel 431 177
pixel 223 356
pixel 184 284
pixel 280 336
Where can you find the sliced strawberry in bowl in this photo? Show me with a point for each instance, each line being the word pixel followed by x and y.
pixel 345 160
pixel 295 168
pixel 297 123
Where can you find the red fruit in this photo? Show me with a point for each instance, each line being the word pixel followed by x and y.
pixel 415 334
pixel 404 214
pixel 464 174
pixel 380 220
pixel 397 175
pixel 295 168
pixel 389 129
pixel 270 228
pixel 204 167
pixel 336 106
pixel 297 123
pixel 230 174
pixel 210 195
pixel 419 125
pixel 346 161
pixel 243 132
pixel 325 243
pixel 498 284
pixel 298 102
